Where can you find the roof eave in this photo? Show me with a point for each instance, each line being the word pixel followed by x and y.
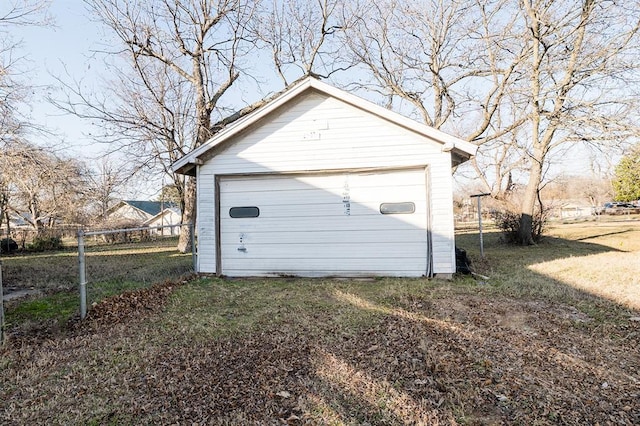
pixel 185 167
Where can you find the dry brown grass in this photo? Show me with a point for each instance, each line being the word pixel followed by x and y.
pixel 524 347
pixel 574 261
pixel 614 274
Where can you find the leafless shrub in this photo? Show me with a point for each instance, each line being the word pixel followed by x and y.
pixel 509 223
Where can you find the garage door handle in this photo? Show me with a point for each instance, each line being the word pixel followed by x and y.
pixel 244 249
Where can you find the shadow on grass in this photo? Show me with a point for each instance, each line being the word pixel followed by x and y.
pixel 522 348
pixel 607 234
pixel 388 351
pixel 550 248
pixel 503 361
pixel 564 270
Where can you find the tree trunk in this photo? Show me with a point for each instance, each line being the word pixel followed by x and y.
pixel 188 215
pixel 525 232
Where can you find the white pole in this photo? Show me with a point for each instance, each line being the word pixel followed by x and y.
pixel 162 208
pixel 83 275
pixel 480 227
pixel 194 256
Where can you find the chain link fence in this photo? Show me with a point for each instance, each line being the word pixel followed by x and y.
pixel 165 266
pixel 101 263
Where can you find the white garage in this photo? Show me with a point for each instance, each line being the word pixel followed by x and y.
pixel 319 182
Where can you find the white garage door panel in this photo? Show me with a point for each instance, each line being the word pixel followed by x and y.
pixel 320 267
pixel 322 251
pixel 301 267
pixel 336 181
pixel 323 212
pixel 327 223
pixel 275 237
pixel 312 196
pixel 324 225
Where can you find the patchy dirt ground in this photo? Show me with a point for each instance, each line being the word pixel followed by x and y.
pixel 457 359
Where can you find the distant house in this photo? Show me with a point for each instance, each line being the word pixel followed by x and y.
pixel 17 221
pixel 141 213
pixel 573 209
pixel 24 220
pixel 170 216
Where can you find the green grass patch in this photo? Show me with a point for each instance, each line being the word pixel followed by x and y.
pixel 110 270
pixel 214 307
pixel 59 307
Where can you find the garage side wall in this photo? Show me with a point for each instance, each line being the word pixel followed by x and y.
pixel 317 132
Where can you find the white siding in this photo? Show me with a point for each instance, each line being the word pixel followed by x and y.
pixel 167 218
pixel 316 132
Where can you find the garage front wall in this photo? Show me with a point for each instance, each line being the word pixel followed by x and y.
pixel 316 132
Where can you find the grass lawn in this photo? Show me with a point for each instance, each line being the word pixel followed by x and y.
pixel 551 337
pixel 110 269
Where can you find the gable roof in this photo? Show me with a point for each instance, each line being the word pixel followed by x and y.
pixel 462 149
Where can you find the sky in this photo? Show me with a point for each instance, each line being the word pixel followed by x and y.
pixel 68 49
pixel 57 50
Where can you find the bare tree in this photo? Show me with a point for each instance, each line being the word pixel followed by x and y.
pixel 173 62
pixel 105 182
pixel 304 37
pixel 595 190
pixel 12 91
pixel 524 79
pixel 36 182
pixel 581 68
pixel 450 64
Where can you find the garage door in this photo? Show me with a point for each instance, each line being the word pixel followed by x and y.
pixel 348 224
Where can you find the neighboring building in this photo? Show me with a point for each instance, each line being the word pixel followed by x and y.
pixel 24 220
pixel 319 182
pixel 137 213
pixel 20 221
pixel 170 216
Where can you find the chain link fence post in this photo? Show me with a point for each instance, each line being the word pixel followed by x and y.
pixel 83 275
pixel 1 308
pixel 194 256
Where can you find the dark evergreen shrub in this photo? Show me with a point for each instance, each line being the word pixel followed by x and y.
pixel 8 245
pixel 45 244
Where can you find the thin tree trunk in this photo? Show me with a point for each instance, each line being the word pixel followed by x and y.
pixel 188 215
